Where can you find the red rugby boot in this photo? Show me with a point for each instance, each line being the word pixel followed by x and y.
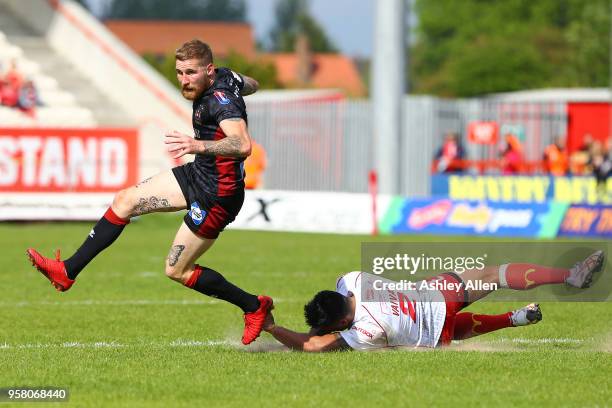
pixel 54 270
pixel 253 322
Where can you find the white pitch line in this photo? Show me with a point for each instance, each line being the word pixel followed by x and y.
pixel 548 341
pixel 519 340
pixel 197 343
pixel 235 344
pixel 114 344
pixel 125 302
pixel 95 302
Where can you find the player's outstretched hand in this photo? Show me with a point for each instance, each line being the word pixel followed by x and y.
pixel 269 322
pixel 180 144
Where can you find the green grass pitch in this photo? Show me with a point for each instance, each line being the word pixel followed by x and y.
pixel 125 335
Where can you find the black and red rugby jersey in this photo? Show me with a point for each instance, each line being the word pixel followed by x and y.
pixel 221 176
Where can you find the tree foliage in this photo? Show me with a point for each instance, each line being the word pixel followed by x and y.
pixel 196 10
pixel 264 72
pixel 293 19
pixel 472 47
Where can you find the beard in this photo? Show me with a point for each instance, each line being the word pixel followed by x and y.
pixel 188 93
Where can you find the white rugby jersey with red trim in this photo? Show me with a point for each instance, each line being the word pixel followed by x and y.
pixel 389 318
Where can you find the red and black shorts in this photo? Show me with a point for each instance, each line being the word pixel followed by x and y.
pixel 208 213
pixel 455 301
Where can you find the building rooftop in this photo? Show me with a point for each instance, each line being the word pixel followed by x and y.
pixel 161 37
pixel 328 71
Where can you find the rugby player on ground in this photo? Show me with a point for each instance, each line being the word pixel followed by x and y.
pixel 211 187
pixel 359 316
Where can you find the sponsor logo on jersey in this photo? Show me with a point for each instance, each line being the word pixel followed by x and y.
pixel 196 213
pixel 363 331
pixel 198 114
pixel 221 97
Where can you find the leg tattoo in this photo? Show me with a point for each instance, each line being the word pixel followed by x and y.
pixel 147 205
pixel 174 254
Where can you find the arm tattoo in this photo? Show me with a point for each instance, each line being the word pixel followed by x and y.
pixel 174 254
pixel 229 147
pixel 151 204
pixel 250 86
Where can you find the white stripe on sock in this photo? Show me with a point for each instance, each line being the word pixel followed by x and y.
pixel 503 283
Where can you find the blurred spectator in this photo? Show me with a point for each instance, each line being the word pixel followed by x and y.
pixel 512 155
pixel 451 153
pixel 254 166
pixel 9 95
pixel 605 170
pixel 13 76
pixel 555 158
pixel 579 159
pixel 16 92
pixel 600 163
pixel 28 98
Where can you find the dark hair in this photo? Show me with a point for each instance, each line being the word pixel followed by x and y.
pixel 195 49
pixel 325 309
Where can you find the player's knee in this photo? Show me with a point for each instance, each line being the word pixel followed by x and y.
pixel 123 204
pixel 493 274
pixel 489 274
pixel 173 273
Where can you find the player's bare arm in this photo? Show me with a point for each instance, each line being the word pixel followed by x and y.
pixel 304 341
pixel 250 86
pixel 237 142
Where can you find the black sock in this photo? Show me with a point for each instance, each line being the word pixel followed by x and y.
pixel 212 283
pixel 104 233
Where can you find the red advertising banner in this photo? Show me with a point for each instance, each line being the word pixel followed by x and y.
pixel 483 132
pixel 67 160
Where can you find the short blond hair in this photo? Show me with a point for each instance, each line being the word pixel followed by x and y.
pixel 195 49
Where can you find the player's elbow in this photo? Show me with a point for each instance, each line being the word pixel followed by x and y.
pixel 313 346
pixel 254 85
pixel 245 149
pixel 310 348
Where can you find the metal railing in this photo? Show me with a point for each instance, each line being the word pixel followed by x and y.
pixel 328 145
